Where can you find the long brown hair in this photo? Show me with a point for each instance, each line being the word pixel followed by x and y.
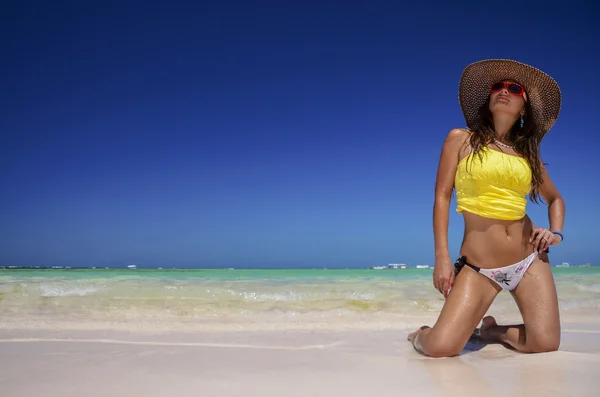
pixel 526 141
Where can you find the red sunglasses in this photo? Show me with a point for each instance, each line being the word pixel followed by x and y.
pixel 513 88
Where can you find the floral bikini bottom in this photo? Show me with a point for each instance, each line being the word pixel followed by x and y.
pixel 507 277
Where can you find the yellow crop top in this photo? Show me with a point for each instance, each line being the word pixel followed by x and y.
pixel 493 188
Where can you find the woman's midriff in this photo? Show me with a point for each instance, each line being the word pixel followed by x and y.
pixel 491 243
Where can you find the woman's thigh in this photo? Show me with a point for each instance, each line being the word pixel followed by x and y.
pixel 467 303
pixel 537 300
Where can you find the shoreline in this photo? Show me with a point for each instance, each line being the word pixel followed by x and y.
pixel 348 320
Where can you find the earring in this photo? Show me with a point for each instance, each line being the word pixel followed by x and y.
pixel 522 121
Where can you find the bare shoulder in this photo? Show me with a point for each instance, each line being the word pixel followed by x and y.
pixel 458 139
pixel 459 133
pixel 449 160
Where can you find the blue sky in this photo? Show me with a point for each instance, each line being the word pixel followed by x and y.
pixel 266 133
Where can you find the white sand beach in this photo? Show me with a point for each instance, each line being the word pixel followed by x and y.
pixel 66 363
pixel 270 333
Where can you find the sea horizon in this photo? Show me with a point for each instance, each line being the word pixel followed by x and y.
pixel 250 267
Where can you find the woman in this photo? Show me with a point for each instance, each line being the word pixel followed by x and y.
pixel 508 107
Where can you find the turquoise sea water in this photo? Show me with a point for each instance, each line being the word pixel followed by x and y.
pixel 200 296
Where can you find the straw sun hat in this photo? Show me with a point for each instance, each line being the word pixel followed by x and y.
pixel 542 90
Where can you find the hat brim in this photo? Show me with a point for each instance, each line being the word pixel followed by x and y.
pixel 543 92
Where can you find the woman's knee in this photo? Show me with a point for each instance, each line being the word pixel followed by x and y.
pixel 439 348
pixel 543 344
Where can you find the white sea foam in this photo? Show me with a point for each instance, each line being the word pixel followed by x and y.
pixel 60 289
pixel 589 288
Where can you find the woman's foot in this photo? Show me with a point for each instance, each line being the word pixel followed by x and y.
pixel 412 336
pixel 488 326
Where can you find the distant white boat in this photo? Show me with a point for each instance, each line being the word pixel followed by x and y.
pixel 131 267
pixel 396 266
pixel 564 264
pixel 422 266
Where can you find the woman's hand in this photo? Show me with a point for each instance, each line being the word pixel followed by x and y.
pixel 443 276
pixel 543 238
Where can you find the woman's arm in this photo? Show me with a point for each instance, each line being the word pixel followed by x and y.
pixel 556 213
pixel 556 204
pixel 443 275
